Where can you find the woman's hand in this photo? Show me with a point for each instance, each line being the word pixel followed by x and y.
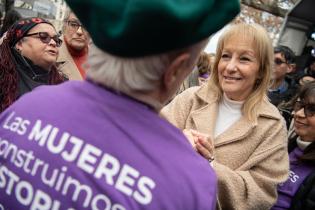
pixel 201 143
pixel 191 138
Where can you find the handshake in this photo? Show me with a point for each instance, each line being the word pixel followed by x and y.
pixel 202 143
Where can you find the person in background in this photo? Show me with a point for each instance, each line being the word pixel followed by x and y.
pixel 310 70
pixel 74 52
pixel 204 67
pixel 282 88
pixel 298 192
pixel 28 59
pixel 230 120
pixel 9 19
pixel 100 143
pixel 199 75
pixel 212 58
pixel 305 79
pixel 286 108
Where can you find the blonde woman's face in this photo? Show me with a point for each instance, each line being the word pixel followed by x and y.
pixel 238 68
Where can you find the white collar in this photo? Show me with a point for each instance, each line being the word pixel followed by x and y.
pixel 302 144
pixel 231 104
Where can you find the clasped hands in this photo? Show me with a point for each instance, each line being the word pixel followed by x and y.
pixel 202 143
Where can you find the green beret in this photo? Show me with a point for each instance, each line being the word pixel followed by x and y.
pixel 134 28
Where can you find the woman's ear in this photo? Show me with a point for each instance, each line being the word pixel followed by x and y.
pixel 19 45
pixel 173 76
pixel 176 70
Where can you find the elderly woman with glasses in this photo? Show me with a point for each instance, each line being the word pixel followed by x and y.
pixel 298 192
pixel 75 50
pixel 28 59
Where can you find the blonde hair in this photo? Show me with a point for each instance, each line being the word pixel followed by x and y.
pixel 264 52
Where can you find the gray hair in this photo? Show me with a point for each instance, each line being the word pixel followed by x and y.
pixel 130 75
pixel 65 19
pixel 68 11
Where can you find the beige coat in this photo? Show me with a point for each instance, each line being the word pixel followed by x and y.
pixel 68 67
pixel 250 159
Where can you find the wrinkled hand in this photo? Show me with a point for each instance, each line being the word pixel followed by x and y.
pixel 200 142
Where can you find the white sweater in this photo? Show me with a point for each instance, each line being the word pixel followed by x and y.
pixel 229 112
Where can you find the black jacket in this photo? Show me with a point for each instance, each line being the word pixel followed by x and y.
pixel 276 97
pixel 304 199
pixel 30 75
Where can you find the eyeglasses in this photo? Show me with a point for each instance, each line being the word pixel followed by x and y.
pixel 46 38
pixel 279 61
pixel 309 109
pixel 74 25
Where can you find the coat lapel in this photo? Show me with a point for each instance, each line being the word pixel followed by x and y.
pixel 237 131
pixel 69 67
pixel 204 120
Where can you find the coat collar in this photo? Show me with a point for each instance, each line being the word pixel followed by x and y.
pixel 204 118
pixel 67 64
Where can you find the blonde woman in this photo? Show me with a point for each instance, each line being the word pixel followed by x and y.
pixel 245 133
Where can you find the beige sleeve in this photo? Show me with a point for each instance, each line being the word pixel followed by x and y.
pixel 254 184
pixel 178 110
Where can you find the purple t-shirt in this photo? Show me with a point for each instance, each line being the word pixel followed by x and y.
pixel 298 172
pixel 80 146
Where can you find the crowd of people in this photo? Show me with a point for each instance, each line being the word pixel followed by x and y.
pixel 122 109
